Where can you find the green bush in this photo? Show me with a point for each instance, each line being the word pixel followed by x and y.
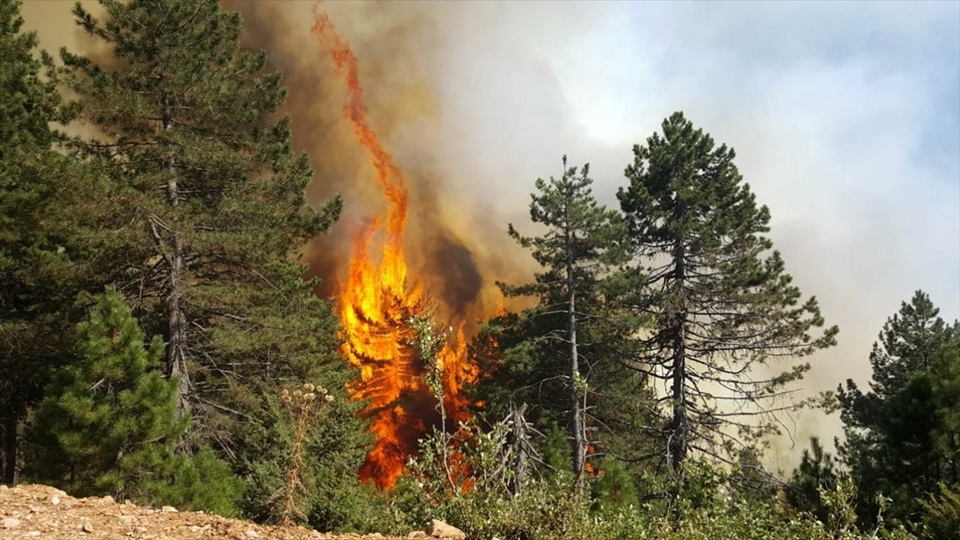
pixel 941 514
pixel 200 482
pixel 108 423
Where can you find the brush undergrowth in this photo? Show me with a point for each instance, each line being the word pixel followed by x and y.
pixel 304 408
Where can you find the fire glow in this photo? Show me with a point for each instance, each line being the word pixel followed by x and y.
pixel 377 299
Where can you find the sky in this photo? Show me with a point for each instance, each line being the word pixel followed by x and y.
pixel 845 117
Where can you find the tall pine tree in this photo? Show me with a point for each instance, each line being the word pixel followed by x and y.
pixel 208 216
pixel 721 303
pixel 44 200
pixel 559 353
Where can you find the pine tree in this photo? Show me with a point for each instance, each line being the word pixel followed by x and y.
pixel 946 392
pixel 900 441
pixel 579 244
pixel 816 472
pixel 721 304
pixel 208 215
pixel 110 419
pixel 43 202
pixel 941 513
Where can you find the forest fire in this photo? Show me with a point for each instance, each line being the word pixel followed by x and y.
pixel 377 301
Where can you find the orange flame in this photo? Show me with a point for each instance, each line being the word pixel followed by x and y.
pixel 377 301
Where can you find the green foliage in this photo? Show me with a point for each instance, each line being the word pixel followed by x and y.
pixel 560 356
pixel 941 513
pixel 29 103
pixel 614 488
pixel 43 199
pixel 750 480
pixel 945 373
pixel 199 482
pixel 815 473
pixel 333 451
pixel 544 509
pixel 109 422
pixel 547 509
pixel 205 203
pixel 551 508
pixel 722 305
pixel 901 435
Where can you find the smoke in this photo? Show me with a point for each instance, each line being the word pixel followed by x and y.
pixel 470 133
pixel 456 241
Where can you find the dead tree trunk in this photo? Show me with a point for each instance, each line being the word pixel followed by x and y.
pixel 522 448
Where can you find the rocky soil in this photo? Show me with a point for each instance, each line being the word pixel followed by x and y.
pixel 35 511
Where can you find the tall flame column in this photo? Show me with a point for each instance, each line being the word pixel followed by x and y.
pixel 377 300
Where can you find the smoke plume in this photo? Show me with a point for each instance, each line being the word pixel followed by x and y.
pixel 456 245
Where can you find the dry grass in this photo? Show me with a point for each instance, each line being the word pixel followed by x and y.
pixel 303 407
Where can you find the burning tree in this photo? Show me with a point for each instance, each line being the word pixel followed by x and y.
pixel 378 301
pixel 720 305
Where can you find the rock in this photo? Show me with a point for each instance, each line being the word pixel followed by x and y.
pixel 55 500
pixel 9 523
pixel 417 534
pixel 168 510
pixel 252 534
pixel 128 520
pixel 107 499
pixel 439 529
pixel 33 534
pixel 87 527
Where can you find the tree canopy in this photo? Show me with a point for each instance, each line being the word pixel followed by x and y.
pixel 901 434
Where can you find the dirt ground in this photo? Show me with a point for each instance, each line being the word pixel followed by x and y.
pixel 35 511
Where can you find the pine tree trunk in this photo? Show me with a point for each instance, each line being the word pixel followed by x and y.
pixel 577 427
pixel 176 346
pixel 176 360
pixel 10 446
pixel 679 425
